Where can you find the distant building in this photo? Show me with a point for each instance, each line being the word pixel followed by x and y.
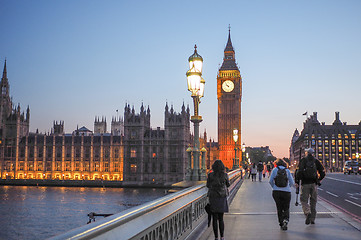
pixel 333 144
pixel 132 152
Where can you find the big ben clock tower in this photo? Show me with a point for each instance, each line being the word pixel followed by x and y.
pixel 229 95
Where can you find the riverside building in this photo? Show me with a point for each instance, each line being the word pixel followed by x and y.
pixel 132 152
pixel 333 144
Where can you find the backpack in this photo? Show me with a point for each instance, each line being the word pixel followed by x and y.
pixel 309 169
pixel 281 179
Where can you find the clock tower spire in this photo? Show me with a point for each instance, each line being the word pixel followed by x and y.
pixel 229 95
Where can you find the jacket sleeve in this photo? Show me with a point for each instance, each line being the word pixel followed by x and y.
pixel 320 169
pixel 290 178
pixel 272 177
pixel 298 172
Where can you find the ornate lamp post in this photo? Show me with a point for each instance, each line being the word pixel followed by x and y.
pixel 243 155
pixel 196 87
pixel 235 139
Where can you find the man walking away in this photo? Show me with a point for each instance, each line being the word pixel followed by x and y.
pixel 310 172
pixel 260 170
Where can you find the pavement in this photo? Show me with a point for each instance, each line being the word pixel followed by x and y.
pixel 253 215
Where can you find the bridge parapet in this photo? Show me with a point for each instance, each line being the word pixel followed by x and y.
pixel 175 216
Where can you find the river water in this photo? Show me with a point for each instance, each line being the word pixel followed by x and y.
pixel 41 212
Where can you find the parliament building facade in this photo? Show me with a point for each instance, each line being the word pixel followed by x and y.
pixel 132 151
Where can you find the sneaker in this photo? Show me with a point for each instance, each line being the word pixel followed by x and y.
pixel 312 221
pixel 308 219
pixel 284 225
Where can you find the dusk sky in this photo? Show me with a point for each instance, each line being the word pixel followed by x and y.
pixel 74 60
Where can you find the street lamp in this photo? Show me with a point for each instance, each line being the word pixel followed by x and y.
pixel 243 154
pixel 235 139
pixel 196 86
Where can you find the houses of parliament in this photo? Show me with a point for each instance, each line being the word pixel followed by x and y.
pixel 131 151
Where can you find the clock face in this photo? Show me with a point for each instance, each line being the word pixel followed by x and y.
pixel 228 86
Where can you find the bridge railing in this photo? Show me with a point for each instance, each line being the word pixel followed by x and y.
pixel 175 216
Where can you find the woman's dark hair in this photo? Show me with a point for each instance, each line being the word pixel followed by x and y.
pixel 281 162
pixel 254 165
pixel 218 167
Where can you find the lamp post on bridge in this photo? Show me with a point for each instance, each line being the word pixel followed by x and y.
pixel 196 83
pixel 244 163
pixel 235 139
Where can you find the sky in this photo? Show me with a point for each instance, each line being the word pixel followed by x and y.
pixel 74 60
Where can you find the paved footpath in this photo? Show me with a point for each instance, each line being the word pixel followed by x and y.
pixel 253 215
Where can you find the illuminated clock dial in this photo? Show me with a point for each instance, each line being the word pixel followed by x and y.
pixel 228 86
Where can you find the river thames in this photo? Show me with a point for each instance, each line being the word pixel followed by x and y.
pixel 41 212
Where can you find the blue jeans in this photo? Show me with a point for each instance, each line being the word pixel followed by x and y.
pixel 259 176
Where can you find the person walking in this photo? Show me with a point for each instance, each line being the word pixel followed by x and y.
pixel 218 183
pixel 253 171
pixel 264 170
pixel 269 169
pixel 260 170
pixel 310 172
pixel 281 181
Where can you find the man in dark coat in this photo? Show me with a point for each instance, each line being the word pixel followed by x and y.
pixel 310 172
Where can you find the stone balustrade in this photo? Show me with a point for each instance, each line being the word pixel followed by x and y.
pixel 176 216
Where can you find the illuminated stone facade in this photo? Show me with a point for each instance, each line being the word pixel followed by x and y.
pixel 229 95
pixel 132 152
pixel 333 144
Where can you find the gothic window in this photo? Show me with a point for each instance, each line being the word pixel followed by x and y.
pixel 49 151
pixel 106 152
pixel 58 166
pixel 96 167
pixel 87 152
pixel 40 152
pixel 106 167
pixel 77 166
pixel 3 90
pixel 68 151
pixel 133 152
pixel 116 167
pixel 31 166
pixel 133 168
pixel 48 166
pixel 31 152
pixel 116 152
pixel 97 152
pixel 40 166
pixel 58 152
pixel 67 166
pixel 22 152
pixel 21 166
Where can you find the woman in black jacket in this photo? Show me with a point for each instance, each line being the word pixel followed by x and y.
pixel 218 184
